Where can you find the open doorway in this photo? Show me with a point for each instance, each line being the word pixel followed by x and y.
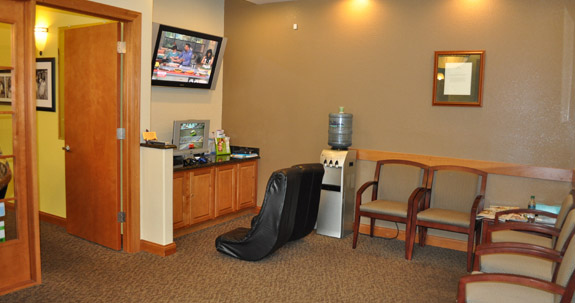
pixel 52 158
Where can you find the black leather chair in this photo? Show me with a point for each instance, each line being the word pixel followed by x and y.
pixel 273 227
pixel 308 201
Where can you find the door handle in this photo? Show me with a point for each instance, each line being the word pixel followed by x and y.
pixel 66 148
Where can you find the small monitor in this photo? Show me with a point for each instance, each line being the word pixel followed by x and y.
pixel 191 137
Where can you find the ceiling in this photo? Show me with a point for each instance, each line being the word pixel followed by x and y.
pixel 266 1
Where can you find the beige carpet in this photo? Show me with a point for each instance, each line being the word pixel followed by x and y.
pixel 313 269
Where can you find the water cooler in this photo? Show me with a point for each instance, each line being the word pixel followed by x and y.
pixel 336 205
pixel 337 202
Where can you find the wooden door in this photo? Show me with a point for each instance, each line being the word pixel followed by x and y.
pixel 92 116
pixel 225 189
pixel 201 194
pixel 19 244
pixel 247 184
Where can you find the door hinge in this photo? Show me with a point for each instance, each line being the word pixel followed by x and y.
pixel 121 133
pixel 121 217
pixel 121 47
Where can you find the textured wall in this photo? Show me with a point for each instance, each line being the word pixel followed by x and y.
pixel 376 59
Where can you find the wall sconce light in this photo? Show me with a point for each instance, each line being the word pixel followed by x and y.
pixel 41 35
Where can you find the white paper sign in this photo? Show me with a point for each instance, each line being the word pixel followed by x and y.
pixel 458 79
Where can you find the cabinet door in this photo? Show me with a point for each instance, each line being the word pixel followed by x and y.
pixel 201 197
pixel 247 184
pixel 181 201
pixel 225 189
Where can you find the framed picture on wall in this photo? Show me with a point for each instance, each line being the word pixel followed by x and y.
pixel 45 81
pixel 5 86
pixel 458 78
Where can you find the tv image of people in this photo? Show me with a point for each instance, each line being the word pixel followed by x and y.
pixel 184 58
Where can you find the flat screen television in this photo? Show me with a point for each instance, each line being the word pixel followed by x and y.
pixel 184 58
pixel 191 137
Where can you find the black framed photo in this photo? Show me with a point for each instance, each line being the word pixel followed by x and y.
pixel 5 86
pixel 46 84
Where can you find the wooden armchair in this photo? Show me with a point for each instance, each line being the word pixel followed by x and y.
pixel 505 287
pixel 541 234
pixel 396 183
pixel 454 197
pixel 508 257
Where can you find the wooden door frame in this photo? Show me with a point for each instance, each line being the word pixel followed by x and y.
pixel 130 108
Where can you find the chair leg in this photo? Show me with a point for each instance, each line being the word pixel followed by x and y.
pixel 408 246
pixel 355 230
pixel 411 243
pixel 422 235
pixel 371 226
pixel 470 250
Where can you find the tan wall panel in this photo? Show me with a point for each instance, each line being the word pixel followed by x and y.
pixel 377 61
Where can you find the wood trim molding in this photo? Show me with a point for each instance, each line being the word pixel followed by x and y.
pixel 52 219
pixel 157 249
pixel 497 168
pixel 442 242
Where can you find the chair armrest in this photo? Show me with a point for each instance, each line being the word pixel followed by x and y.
pixel 507 278
pixel 418 198
pixel 365 186
pixel 360 192
pixel 523 211
pixel 477 207
pixel 523 226
pixel 519 248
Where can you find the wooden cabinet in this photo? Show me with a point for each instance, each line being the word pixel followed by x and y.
pixel 202 194
pixel 179 199
pixel 226 176
pixel 201 186
pixel 247 184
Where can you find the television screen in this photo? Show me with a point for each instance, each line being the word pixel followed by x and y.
pixel 185 58
pixel 191 137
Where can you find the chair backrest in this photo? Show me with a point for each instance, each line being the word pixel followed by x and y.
pixel 273 227
pixel 566 206
pixel 455 187
pixel 398 178
pixel 308 199
pixel 565 274
pixel 566 232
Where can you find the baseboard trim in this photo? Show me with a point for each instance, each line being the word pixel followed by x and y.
pixel 442 242
pixel 203 225
pixel 157 249
pixel 56 220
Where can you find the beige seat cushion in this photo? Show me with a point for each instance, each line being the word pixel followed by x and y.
pixel 444 216
pixel 398 209
pixel 517 264
pixel 521 237
pixel 490 292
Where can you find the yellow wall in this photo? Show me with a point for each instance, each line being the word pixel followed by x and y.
pixel 51 165
pixel 6 120
pixel 376 58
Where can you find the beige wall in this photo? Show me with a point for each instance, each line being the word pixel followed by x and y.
pixel 171 103
pixel 377 61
